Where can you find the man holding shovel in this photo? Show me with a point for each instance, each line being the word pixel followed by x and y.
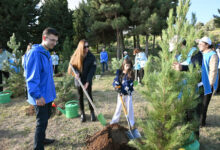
pixel 40 84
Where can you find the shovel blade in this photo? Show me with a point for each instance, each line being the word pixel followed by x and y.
pixel 102 119
pixel 133 134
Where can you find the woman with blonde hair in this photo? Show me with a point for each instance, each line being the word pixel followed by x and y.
pixel 84 63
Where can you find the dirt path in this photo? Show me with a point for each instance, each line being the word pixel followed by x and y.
pixel 210 135
pixel 17 129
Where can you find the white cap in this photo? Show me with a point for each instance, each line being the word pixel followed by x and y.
pixel 206 40
pixel 125 52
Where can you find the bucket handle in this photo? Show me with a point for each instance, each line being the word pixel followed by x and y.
pixel 73 101
pixel 6 91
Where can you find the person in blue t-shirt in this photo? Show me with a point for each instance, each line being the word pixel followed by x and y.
pixel 104 60
pixel 40 84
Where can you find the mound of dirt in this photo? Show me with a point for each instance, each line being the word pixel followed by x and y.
pixel 112 137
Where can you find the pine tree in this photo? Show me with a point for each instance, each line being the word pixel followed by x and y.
pixel 55 13
pixel 67 49
pixel 217 19
pixel 16 81
pixel 111 15
pixel 169 92
pixel 99 30
pixel 80 18
pixel 19 17
pixel 149 17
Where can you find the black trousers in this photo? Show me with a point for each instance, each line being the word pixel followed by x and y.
pixel 104 65
pixel 140 74
pixel 204 108
pixel 43 113
pixel 81 102
pixel 55 69
pixel 194 114
pixel 6 74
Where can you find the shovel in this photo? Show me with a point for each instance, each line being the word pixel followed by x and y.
pixel 132 134
pixel 100 115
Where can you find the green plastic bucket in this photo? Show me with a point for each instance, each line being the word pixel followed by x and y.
pixel 71 109
pixel 191 143
pixel 5 96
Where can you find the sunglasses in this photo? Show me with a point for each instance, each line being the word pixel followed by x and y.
pixel 86 46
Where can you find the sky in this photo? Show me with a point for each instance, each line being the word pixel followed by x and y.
pixel 204 9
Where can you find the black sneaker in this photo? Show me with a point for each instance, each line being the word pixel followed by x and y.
pixel 48 141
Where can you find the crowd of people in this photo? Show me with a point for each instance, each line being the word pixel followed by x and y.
pixel 39 67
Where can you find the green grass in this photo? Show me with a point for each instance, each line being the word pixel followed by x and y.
pixel 17 129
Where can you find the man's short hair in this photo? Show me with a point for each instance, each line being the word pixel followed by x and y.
pixel 49 31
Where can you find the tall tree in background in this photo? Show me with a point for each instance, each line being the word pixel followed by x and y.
pixel 111 14
pixel 80 19
pixel 170 93
pixel 100 31
pixel 217 19
pixel 19 17
pixel 55 13
pixel 150 17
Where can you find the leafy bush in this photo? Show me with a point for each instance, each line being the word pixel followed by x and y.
pixel 64 88
pixel 116 64
pixel 63 66
pixel 98 68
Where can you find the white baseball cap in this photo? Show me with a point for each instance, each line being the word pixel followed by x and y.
pixel 206 40
pixel 125 52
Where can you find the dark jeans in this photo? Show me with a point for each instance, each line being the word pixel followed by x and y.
pixel 6 74
pixel 140 74
pixel 81 103
pixel 43 113
pixel 104 65
pixel 194 114
pixel 204 108
pixel 55 69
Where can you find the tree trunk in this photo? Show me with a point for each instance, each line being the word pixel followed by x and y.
pixel 154 42
pixel 138 42
pixel 122 43
pixel 135 41
pixel 147 45
pixel 118 45
pixel 97 48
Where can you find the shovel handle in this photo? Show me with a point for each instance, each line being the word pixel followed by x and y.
pixel 123 105
pixel 126 114
pixel 84 90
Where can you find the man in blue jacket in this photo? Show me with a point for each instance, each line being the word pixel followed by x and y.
pixel 40 84
pixel 104 59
